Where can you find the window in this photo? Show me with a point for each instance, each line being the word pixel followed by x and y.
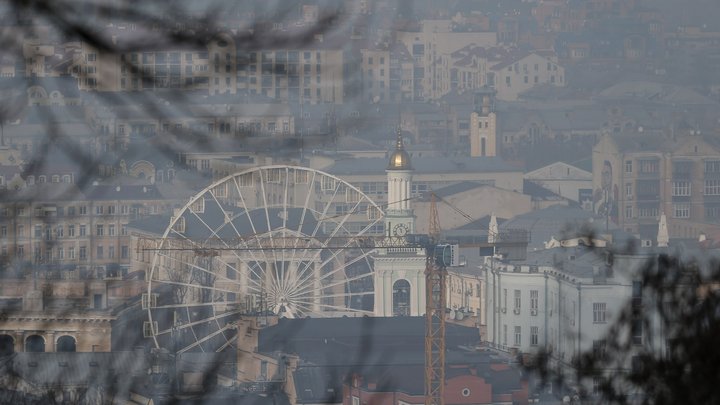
pixel 648 211
pixel 534 300
pixel 82 210
pixel 230 271
pixel 21 231
pixel 124 252
pixel 681 210
pixel 636 329
pixel 99 230
pixel 599 348
pixel 3 231
pixel 712 166
pixel 83 253
pixel 649 166
pixel 99 252
pixel 111 230
pixel 681 188
pixel 505 335
pixel 111 252
pixel 518 336
pixel 38 232
pixel 517 300
pixel 597 381
pixel 111 209
pixel 123 230
pixel 628 190
pixel 71 253
pixel 533 335
pixel 712 187
pixel 628 211
pixel 599 314
pixel 83 230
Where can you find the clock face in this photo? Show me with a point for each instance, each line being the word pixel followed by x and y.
pixel 400 230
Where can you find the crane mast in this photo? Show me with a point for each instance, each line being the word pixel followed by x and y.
pixel 434 315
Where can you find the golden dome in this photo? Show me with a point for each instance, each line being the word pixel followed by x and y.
pixel 399 159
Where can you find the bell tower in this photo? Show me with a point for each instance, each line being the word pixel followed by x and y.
pixel 399 279
pixel 399 217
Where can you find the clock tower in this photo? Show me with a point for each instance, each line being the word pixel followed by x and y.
pixel 399 216
pixel 399 272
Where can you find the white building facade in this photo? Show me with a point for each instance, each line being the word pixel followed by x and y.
pixel 399 279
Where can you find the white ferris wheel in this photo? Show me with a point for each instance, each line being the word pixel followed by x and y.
pixel 275 239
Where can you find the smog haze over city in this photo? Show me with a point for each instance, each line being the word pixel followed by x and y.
pixel 359 202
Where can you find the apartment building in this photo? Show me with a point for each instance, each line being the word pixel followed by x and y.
pixel 57 227
pixel 638 178
pixel 311 74
pixel 521 72
pixel 428 44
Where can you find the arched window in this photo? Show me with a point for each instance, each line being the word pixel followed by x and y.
pixel 401 298
pixel 65 344
pixel 35 344
pixel 7 345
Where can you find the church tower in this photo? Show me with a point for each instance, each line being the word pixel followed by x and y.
pixel 483 124
pixel 399 216
pixel 399 272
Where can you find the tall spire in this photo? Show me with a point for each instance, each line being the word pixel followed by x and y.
pixel 492 229
pixel 399 159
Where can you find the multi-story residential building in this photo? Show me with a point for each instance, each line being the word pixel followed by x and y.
pixel 519 73
pixel 376 74
pixel 58 227
pixel 638 178
pixel 311 74
pixel 428 44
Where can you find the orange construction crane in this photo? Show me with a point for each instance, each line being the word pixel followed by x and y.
pixel 434 314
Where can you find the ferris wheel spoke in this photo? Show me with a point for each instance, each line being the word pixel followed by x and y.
pixel 180 283
pixel 309 288
pixel 337 251
pixel 304 211
pixel 240 239
pixel 265 207
pixel 196 267
pixel 228 343
pixel 227 265
pixel 189 305
pixel 325 210
pixel 195 323
pixel 206 338
pixel 339 308
pixel 252 224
